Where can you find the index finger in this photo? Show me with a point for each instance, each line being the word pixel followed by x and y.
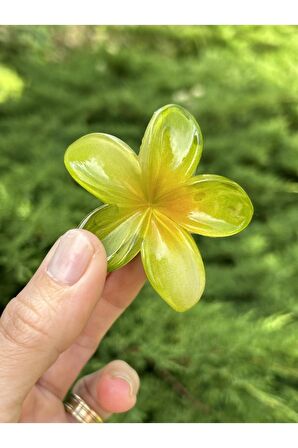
pixel 120 289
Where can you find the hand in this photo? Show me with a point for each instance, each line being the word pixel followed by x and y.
pixel 51 329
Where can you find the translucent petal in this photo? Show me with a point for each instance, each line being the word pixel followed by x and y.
pixel 106 167
pixel 171 149
pixel 119 229
pixel 209 205
pixel 173 263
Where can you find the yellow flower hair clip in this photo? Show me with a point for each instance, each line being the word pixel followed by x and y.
pixel 154 201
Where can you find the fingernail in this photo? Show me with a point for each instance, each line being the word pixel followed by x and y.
pixel 122 376
pixel 71 258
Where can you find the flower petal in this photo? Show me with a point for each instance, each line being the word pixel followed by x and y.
pixel 210 205
pixel 171 149
pixel 173 263
pixel 106 167
pixel 119 229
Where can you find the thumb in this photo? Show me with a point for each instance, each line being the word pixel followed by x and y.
pixel 48 315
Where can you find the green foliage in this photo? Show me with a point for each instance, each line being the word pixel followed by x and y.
pixel 233 357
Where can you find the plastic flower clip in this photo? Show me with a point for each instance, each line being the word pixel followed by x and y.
pixel 153 202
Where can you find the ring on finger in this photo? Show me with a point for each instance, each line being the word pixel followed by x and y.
pixel 80 410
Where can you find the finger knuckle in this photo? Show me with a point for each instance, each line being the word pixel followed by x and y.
pixel 23 325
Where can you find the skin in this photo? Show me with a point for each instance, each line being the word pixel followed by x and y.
pixel 50 330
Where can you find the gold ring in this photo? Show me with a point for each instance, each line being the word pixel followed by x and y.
pixel 80 410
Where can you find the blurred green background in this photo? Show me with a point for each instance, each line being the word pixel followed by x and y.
pixel 234 356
